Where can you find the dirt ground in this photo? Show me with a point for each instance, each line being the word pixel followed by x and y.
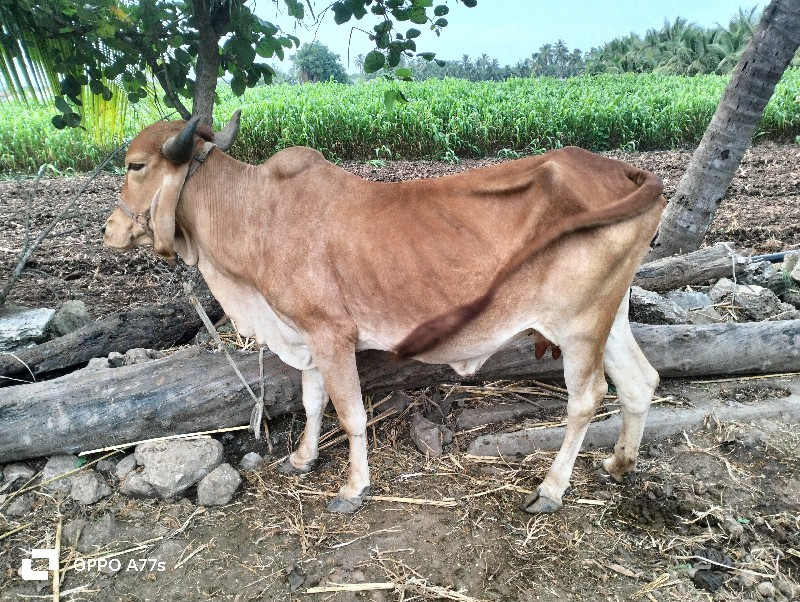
pixel 714 513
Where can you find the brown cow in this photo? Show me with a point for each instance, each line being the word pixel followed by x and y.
pixel 317 263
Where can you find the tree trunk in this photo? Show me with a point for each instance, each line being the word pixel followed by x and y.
pixel 159 327
pixel 724 143
pixel 195 391
pixel 207 65
pixel 697 267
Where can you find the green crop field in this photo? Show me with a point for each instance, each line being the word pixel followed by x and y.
pixel 443 119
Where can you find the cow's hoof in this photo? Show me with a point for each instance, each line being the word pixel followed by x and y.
pixel 343 505
pixel 286 467
pixel 601 475
pixel 536 503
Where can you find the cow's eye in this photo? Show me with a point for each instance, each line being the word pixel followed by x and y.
pixel 135 166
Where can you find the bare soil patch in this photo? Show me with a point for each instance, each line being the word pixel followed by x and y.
pixel 716 509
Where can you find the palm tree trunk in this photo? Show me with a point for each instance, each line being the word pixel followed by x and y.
pixel 724 143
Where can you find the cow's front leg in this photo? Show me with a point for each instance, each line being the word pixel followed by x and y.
pixel 586 385
pixel 315 398
pixel 337 363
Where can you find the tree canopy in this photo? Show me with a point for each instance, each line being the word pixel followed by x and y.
pixel 315 62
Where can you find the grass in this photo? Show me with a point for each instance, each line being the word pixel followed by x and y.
pixel 443 120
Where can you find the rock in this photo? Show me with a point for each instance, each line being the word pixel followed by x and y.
pixel 125 466
pixel 766 589
pixel 70 317
pixel 116 359
pixel 98 534
pixel 472 417
pixel 20 505
pixel 97 363
pixel 429 437
pixel 689 300
pixel 19 473
pixel 217 488
pixel 753 303
pixel 88 488
pixel 705 315
pixel 72 531
pixel 58 465
pixel 399 401
pixel 169 552
pixel 20 326
pixel 251 462
pixel 648 307
pixel 107 466
pixel 140 355
pixel 136 486
pixel 763 274
pixel 173 466
pixel 732 527
pixel 791 265
pixel 792 297
pixel 787 588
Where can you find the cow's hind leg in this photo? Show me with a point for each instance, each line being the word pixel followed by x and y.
pixel 315 398
pixel 635 381
pixel 586 384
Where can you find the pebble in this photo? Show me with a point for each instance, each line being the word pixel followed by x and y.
pixel 20 505
pixel 766 589
pixel 786 588
pixel 18 472
pixel 251 462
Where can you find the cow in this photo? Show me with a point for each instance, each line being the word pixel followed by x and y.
pixel 317 263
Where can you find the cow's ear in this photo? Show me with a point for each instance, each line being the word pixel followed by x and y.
pixel 162 210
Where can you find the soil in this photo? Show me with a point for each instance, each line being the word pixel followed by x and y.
pixel 714 514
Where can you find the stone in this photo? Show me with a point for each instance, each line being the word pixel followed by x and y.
pixel 173 466
pixel 398 402
pixel 98 534
pixel 97 363
pixel 140 355
pixel 20 505
pixel 732 527
pixel 21 473
pixel 20 326
pixel 752 303
pixel 135 485
pixel 705 315
pixel 107 466
pixel 787 588
pixel 763 274
pixel 71 316
pixel 791 265
pixel 217 488
pixel 251 462
pixel 766 589
pixel 648 307
pixel 429 438
pixel 125 466
pixel 58 465
pixel 689 300
pixel 169 552
pixel 89 487
pixel 116 359
pixel 71 532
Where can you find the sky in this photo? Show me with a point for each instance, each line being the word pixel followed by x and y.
pixel 510 30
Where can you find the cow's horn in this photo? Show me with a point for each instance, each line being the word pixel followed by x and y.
pixel 225 138
pixel 179 149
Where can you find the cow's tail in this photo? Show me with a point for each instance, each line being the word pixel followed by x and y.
pixel 429 334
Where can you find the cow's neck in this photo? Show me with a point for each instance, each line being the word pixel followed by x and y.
pixel 216 207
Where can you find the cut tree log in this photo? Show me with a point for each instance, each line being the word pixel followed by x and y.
pixel 194 390
pixel 697 267
pixel 158 327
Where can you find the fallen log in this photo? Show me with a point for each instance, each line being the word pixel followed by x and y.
pixel 157 327
pixel 697 267
pixel 194 390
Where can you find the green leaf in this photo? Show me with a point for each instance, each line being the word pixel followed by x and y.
pixel 238 86
pixel 403 73
pixel 428 56
pixel 62 105
pixel 470 3
pixel 373 61
pixel 341 13
pixel 418 15
pixel 59 122
pixel 295 9
pixel 441 10
pixel 413 33
pixel 440 22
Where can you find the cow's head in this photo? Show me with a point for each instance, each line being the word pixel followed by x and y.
pixel 157 163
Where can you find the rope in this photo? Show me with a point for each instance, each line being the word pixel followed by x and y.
pixel 258 413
